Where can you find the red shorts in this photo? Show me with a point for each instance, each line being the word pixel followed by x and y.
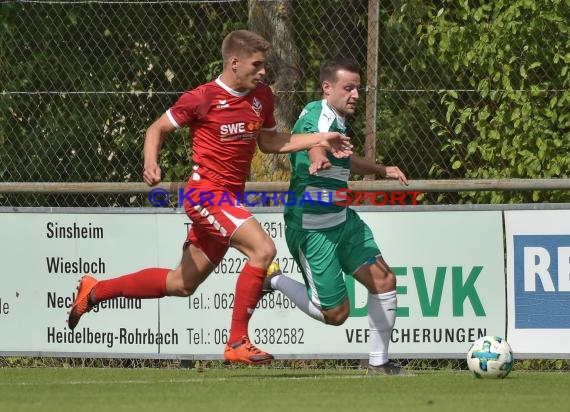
pixel 216 215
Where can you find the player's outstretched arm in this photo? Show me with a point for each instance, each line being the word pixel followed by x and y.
pixel 155 136
pixel 318 158
pixel 362 166
pixel 273 142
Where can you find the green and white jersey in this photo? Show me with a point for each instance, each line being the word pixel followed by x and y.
pixel 313 205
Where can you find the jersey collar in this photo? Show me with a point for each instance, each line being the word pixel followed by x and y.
pixel 340 120
pixel 228 89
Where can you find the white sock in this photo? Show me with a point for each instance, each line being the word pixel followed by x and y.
pixel 297 292
pixel 381 320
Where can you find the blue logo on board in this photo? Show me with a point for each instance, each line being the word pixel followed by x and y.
pixel 542 281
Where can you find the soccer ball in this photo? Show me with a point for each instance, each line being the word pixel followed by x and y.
pixel 490 357
pixel 273 269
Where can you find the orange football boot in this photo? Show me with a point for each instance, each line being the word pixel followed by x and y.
pixel 81 304
pixel 245 352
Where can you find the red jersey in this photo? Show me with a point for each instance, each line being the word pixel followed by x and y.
pixel 225 125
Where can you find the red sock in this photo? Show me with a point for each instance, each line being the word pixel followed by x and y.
pixel 145 284
pixel 248 291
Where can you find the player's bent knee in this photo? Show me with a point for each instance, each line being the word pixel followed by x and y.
pixel 383 284
pixel 183 291
pixel 336 321
pixel 175 286
pixel 390 284
pixel 265 252
pixel 269 250
pixel 337 316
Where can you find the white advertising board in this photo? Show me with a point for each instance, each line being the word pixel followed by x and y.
pixel 538 281
pixel 449 266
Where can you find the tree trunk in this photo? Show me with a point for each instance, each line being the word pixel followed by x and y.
pixel 273 21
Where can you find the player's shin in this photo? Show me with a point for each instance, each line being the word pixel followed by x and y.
pixel 145 284
pixel 381 320
pixel 297 292
pixel 248 290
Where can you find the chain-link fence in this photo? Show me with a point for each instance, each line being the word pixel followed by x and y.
pixel 82 80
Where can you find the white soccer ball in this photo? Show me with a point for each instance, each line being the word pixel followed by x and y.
pixel 490 357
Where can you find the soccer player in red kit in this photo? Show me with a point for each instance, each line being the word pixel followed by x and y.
pixel 227 118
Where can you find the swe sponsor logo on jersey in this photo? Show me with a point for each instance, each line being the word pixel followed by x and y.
pixel 542 281
pixel 230 129
pixel 239 130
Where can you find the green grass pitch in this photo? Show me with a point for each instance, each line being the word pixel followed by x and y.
pixel 265 389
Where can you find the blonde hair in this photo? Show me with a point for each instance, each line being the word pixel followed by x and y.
pixel 242 42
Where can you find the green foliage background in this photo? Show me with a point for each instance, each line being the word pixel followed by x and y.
pixel 516 124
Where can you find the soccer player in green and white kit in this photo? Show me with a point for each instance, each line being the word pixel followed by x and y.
pixel 328 240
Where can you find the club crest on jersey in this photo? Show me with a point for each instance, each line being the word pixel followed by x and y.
pixel 256 106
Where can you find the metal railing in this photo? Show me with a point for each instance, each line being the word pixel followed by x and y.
pixel 445 185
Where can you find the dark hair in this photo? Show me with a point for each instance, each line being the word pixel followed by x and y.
pixel 243 41
pixel 330 68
